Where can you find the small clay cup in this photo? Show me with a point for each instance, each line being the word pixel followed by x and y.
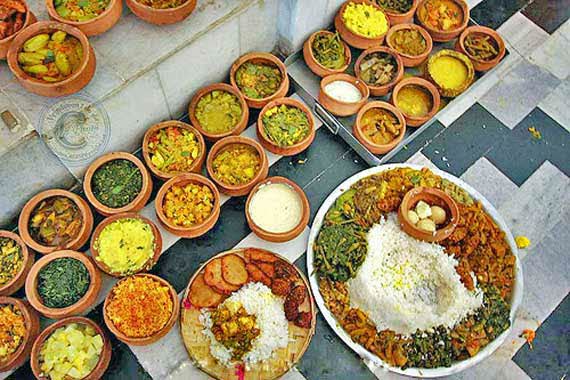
pixel 196 166
pixel 439 35
pixel 480 65
pixel 32 321
pixel 130 215
pixel 136 204
pixel 74 83
pixel 340 108
pixel 77 308
pixel 371 146
pixel 6 42
pixel 148 339
pixel 95 26
pixel 353 39
pixel 315 65
pixel 264 58
pixel 104 357
pixel 402 18
pixel 244 189
pixel 386 88
pixel 287 150
pixel 433 197
pixel 416 121
pixel 237 129
pixel 80 239
pixel 198 229
pixel 411 60
pixel 19 279
pixel 283 236
pixel 162 16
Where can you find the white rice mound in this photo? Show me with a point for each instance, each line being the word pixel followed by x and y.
pixel 405 284
pixel 257 299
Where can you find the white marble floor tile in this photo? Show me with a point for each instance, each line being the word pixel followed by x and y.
pixel 522 34
pixel 420 159
pixel 556 104
pixel 554 56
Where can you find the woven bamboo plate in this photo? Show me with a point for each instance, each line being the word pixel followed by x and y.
pixel 198 345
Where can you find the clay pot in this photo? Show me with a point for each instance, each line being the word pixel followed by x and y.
pixel 74 83
pixel 283 236
pixel 148 339
pixel 95 26
pixel 195 230
pixel 312 62
pixel 480 65
pixel 237 129
pixel 27 261
pixel 77 308
pixel 287 150
pixel 150 262
pixel 433 197
pixel 80 239
pixel 264 58
pixel 6 42
pixel 371 146
pixel 386 88
pixel 32 321
pixel 353 39
pixel 136 204
pixel 411 60
pixel 237 190
pixel 162 16
pixel 104 357
pixel 444 35
pixel 402 18
pixel 340 108
pixel 416 121
pixel 196 166
pixel 447 91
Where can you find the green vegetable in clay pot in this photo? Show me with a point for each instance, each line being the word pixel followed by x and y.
pixel 286 125
pixel 117 183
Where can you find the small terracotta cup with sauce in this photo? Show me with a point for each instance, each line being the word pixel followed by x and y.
pixel 410 60
pixel 196 166
pixel 19 279
pixel 416 121
pixel 136 204
pixel 338 107
pixel 143 341
pixel 162 16
pixel 380 90
pixel 315 65
pixel 95 26
pixel 370 145
pixel 77 308
pixel 479 64
pixel 104 357
pixel 282 236
pixel 5 43
pixel 76 243
pixel 439 35
pixel 402 18
pixel 353 39
pixel 32 322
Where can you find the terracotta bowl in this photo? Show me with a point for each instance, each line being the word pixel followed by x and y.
pixel 386 88
pixel 156 336
pixel 70 85
pixel 95 26
pixel 340 108
pixel 373 147
pixel 267 59
pixel 6 42
pixel 237 190
pixel 284 236
pixel 136 204
pixel 439 35
pixel 416 121
pixel 432 197
pixel 196 167
pixel 237 129
pixel 353 39
pixel 288 150
pixel 80 239
pixel 162 16
pixel 480 65
pixel 104 358
pixel 411 60
pixel 312 62
pixel 32 321
pixel 198 229
pixel 77 308
pixel 27 261
pixel 447 91
pixel 150 262
pixel 402 18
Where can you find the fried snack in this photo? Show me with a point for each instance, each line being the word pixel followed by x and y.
pixel 268 269
pixel 255 254
pixel 257 274
pixel 281 287
pixel 201 295
pixel 233 270
pixel 213 277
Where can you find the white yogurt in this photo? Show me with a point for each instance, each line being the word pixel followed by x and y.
pixel 343 91
pixel 276 208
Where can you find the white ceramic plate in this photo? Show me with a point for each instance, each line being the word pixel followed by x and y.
pixel 516 296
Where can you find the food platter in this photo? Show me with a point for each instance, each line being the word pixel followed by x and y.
pixel 456 366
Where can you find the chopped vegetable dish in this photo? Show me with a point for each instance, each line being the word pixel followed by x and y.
pixel 380 126
pixel 378 68
pixel 62 282
pixel 12 17
pixel 328 50
pixel 218 111
pixel 173 150
pixel 188 205
pixel 12 330
pixel 11 260
pixel 286 125
pixel 365 20
pixel 409 42
pixel 395 6
pixel 117 183
pixel 80 10
pixel 162 4
pixel 441 14
pixel 236 164
pixel 481 47
pixel 55 221
pixel 258 80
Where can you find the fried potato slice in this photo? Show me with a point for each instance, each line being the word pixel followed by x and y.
pixel 233 270
pixel 213 277
pixel 201 295
pixel 256 254
pixel 267 268
pixel 256 275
